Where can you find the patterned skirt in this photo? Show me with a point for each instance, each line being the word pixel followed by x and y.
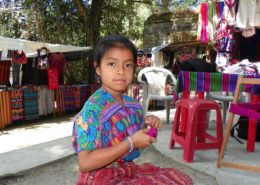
pixel 133 174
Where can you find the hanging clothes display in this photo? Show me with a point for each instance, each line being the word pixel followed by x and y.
pixel 31 75
pixel 31 107
pixel 59 99
pixel 45 100
pixel 248 14
pixel 58 62
pixel 17 103
pixel 4 72
pixel 77 97
pixel 17 60
pixel 69 99
pixel 53 78
pixel 5 109
pixel 85 93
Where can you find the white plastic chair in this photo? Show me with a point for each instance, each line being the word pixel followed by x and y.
pixel 154 81
pixel 226 99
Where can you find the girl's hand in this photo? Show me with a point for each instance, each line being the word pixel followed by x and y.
pixel 152 121
pixel 141 139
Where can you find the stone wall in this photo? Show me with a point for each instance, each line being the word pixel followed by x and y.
pixel 170 27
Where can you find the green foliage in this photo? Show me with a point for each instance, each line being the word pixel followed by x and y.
pixel 53 21
pixel 125 17
pixel 9 25
pixel 76 72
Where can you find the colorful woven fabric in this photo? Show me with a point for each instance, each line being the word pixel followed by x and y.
pixel 53 78
pixel 31 107
pixel 77 97
pixel 204 37
pixel 5 109
pixel 85 93
pixel 59 100
pixel 69 99
pixel 17 105
pixel 132 174
pixel 210 82
pixel 103 122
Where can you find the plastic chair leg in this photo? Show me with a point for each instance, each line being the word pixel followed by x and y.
pixel 145 106
pixel 224 111
pixel 167 105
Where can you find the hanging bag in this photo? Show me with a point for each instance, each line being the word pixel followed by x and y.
pixel 43 61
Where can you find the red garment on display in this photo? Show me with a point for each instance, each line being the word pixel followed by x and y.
pixel 57 61
pixel 53 79
pixel 19 58
pixel 4 72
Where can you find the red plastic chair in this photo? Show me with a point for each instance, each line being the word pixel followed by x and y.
pixel 195 135
pixel 243 109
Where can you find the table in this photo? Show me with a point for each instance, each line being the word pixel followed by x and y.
pixel 217 82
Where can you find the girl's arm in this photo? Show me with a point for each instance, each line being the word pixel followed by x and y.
pixel 92 160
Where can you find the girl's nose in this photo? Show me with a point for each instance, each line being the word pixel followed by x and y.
pixel 120 70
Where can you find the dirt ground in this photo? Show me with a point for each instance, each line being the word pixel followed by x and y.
pixel 64 172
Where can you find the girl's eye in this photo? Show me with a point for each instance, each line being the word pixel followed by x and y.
pixel 129 65
pixel 111 64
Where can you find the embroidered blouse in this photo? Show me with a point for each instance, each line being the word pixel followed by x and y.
pixel 103 122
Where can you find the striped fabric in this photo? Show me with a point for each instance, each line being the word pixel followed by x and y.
pixel 69 99
pixel 85 93
pixel 31 107
pixel 77 97
pixel 210 82
pixel 60 108
pixel 5 109
pixel 81 93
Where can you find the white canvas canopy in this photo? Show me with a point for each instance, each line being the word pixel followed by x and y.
pixel 30 47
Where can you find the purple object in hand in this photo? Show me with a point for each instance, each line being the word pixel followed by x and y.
pixel 152 132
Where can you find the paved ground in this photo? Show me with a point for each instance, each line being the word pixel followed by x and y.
pixel 64 171
pixel 40 153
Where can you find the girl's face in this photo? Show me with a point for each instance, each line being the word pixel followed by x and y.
pixel 116 70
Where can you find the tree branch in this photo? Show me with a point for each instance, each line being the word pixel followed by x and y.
pixel 144 2
pixel 82 10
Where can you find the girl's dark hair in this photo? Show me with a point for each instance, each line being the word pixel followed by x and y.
pixel 112 41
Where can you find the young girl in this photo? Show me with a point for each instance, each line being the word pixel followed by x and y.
pixel 108 132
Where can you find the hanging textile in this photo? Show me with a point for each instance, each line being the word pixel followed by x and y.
pixel 15 74
pixel 212 19
pixel 85 93
pixel 77 97
pixel 4 72
pixel 53 78
pixel 31 107
pixel 59 101
pixel 17 105
pixel 19 58
pixel 5 109
pixel 69 99
pixel 58 62
pixel 45 99
pixel 203 35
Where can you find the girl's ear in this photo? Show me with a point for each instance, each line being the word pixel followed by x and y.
pixel 95 64
pixel 96 68
pixel 98 71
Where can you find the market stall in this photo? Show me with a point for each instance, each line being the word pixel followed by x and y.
pixel 31 80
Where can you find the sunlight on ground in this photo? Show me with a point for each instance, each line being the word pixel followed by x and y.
pixel 35 133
